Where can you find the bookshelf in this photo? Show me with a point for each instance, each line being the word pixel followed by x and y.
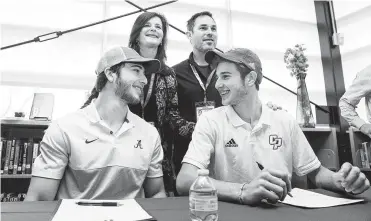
pixel 323 141
pixel 19 122
pixel 16 176
pixel 318 128
pixel 24 135
pixel 356 139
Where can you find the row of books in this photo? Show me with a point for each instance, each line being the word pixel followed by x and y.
pixel 18 155
pixel 12 197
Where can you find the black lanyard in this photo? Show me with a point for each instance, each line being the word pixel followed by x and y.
pixel 204 87
pixel 149 93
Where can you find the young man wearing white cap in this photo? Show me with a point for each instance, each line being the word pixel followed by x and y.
pixel 100 151
pixel 250 150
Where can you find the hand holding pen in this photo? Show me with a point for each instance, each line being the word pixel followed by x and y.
pixel 269 185
pixel 284 177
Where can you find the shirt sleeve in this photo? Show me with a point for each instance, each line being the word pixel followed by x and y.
pixel 53 157
pixel 155 167
pixel 202 145
pixel 304 158
pixel 360 87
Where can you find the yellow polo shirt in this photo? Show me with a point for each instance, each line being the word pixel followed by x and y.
pixel 229 147
pixel 95 163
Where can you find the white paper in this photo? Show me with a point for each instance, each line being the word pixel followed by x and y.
pixel 129 211
pixel 309 199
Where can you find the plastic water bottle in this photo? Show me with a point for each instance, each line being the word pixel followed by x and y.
pixel 203 198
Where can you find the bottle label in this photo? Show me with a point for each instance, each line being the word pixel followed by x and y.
pixel 205 203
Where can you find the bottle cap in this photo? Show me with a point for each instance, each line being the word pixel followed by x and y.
pixel 203 172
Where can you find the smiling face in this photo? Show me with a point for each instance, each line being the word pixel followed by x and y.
pixel 130 83
pixel 152 33
pixel 204 35
pixel 231 87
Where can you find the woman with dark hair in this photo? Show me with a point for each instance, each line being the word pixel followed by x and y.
pixel 159 103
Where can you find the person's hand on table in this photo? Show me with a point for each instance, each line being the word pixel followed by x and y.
pixel 270 185
pixel 351 179
pixel 366 129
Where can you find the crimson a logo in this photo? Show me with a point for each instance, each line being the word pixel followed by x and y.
pixel 139 144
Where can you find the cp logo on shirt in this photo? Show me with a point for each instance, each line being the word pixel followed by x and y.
pixel 275 141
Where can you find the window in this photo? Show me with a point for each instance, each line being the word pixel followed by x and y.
pixel 66 65
pixel 353 20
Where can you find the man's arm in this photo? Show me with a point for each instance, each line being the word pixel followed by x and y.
pixel 154 187
pixel 348 179
pixel 42 189
pixel 270 185
pixel 349 101
pixel 188 174
pixel 49 166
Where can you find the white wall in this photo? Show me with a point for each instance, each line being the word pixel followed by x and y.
pixel 65 66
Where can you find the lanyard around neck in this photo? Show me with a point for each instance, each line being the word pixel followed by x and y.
pixel 149 93
pixel 204 87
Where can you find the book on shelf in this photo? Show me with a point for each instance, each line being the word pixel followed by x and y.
pixel 365 158
pixel 7 156
pixel 24 158
pixel 36 151
pixel 16 156
pixel 20 157
pixel 11 159
pixel 29 156
pixel 3 154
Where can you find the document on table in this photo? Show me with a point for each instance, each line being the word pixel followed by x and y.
pixel 128 210
pixel 309 199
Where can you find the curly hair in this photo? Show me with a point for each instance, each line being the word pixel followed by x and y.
pixel 101 82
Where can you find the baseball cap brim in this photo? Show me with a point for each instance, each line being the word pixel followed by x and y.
pixel 213 58
pixel 150 65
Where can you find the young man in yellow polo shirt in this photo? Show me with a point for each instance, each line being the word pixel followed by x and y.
pixel 250 150
pixel 103 151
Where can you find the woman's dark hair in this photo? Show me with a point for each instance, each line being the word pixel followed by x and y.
pixel 137 27
pixel 101 82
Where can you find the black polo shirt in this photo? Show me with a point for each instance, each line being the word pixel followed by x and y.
pixel 190 92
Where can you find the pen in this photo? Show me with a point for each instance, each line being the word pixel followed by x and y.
pixel 262 168
pixel 98 204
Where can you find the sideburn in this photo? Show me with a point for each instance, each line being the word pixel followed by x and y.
pixel 122 90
